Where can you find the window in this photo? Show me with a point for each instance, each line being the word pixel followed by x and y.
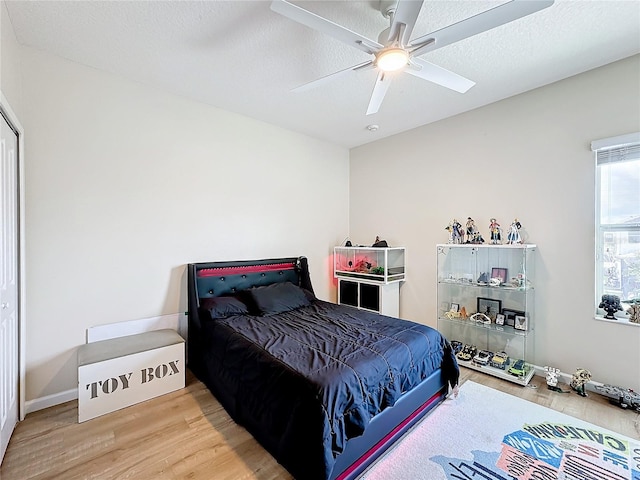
pixel 617 219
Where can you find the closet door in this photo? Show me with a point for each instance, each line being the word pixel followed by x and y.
pixel 8 283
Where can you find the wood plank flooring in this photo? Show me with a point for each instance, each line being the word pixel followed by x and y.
pixel 188 435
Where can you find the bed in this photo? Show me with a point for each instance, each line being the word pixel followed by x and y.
pixel 324 388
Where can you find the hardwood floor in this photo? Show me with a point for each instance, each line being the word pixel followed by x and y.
pixel 188 435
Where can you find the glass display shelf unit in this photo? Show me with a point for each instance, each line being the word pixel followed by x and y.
pixel 486 300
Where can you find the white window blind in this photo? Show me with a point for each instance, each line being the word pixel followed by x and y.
pixel 617 149
pixel 619 154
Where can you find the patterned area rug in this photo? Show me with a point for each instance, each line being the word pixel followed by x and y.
pixel 485 434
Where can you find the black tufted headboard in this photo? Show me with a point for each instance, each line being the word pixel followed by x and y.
pixel 215 279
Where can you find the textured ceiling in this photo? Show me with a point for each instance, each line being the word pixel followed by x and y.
pixel 242 57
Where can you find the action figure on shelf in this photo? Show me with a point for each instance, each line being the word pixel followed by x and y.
pixel 611 305
pixel 579 380
pixel 473 235
pixel 455 231
pixel 451 314
pixel 380 243
pixel 495 232
pixel 552 379
pixel 471 229
pixel 514 232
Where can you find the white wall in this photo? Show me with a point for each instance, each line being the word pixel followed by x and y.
pixel 9 62
pixel 126 185
pixel 527 157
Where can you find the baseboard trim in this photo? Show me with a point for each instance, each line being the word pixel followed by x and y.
pixel 50 400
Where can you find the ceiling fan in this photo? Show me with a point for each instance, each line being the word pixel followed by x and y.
pixel 395 51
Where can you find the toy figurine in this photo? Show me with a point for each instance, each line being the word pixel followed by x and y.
pixel 471 229
pixel 611 305
pixel 552 379
pixel 579 380
pixel 362 266
pixel 455 232
pixel 451 314
pixel 380 243
pixel 473 235
pixel 514 232
pixel 623 397
pixel 634 312
pixel 495 232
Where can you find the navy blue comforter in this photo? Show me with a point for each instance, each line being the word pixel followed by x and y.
pixel 305 381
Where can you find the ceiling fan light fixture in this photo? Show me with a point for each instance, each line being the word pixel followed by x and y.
pixel 392 59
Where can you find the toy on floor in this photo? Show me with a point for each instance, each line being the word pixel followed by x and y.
pixel 623 397
pixel 579 380
pixel 552 379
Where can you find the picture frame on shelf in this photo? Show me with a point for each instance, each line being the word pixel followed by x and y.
pixel 489 306
pixel 510 316
pixel 500 273
pixel 521 322
pixel 455 307
pixel 500 319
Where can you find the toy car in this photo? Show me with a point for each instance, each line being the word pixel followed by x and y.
pixel 482 357
pixel 519 368
pixel 456 346
pixel 467 353
pixel 500 360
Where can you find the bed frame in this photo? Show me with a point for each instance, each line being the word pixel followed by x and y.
pixel 222 278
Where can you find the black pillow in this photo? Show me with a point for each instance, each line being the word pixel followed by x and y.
pixel 277 298
pixel 309 294
pixel 220 307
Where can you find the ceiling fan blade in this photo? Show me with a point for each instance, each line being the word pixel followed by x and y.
pixel 419 48
pixel 406 14
pixel 505 13
pixel 332 76
pixel 379 91
pixel 325 26
pixel 441 76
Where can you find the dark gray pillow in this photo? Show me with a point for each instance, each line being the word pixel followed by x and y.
pixel 277 298
pixel 220 307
